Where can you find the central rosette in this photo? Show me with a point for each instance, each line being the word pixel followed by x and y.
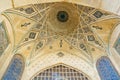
pixel 63 18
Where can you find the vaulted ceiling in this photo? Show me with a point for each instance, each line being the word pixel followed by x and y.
pixel 73 32
pixel 61 27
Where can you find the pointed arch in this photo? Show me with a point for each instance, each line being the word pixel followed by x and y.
pixel 15 68
pixel 106 69
pixel 60 72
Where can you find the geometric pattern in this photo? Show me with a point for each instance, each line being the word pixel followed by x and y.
pixel 82 37
pixel 61 72
pixel 15 68
pixel 3 39
pixel 106 69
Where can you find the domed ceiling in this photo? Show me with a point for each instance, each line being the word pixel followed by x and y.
pixel 61 27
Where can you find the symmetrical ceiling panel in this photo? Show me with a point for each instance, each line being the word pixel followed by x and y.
pixel 51 26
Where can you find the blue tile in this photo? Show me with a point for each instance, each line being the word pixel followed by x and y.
pixel 106 69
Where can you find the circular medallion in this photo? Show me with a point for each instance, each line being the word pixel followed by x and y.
pixel 63 18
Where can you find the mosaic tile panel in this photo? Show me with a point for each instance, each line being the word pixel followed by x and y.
pixel 106 69
pixel 15 69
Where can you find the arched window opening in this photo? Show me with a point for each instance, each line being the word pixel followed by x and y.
pixel 61 72
pixel 117 44
pixel 106 69
pixel 15 68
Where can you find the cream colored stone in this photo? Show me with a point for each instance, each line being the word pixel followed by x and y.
pixel 38 59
